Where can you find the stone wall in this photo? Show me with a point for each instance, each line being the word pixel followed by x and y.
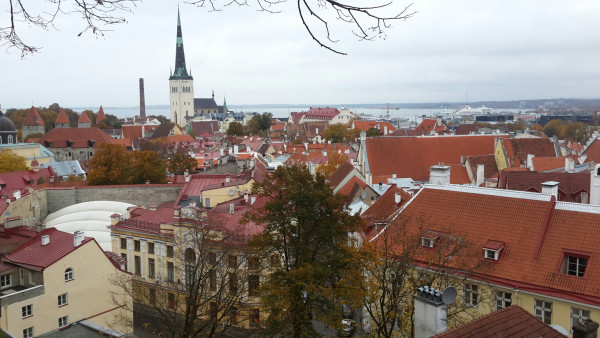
pixel 143 194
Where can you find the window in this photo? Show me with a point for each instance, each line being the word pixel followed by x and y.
pixel 123 243
pixel 63 321
pixel 170 272
pixel 254 318
pixel 124 256
pixel 190 266
pixel 207 202
pixel 491 254
pixel 574 265
pixel 503 299
pixel 138 265
pixel 253 284
pixel 152 296
pixel 212 280
pixel 171 300
pixel 232 261
pixel 578 315
pixel 151 265
pixel 233 312
pixel 63 299
pixel 151 248
pixel 470 294
pixel 233 282
pixel 253 263
pixel 543 311
pixel 68 274
pixel 212 258
pixel 27 311
pixel 169 251
pixel 5 280
pixel 136 246
pixel 28 332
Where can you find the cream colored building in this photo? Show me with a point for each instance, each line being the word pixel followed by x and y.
pixel 30 151
pixel 56 279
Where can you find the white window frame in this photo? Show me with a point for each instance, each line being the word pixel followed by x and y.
pixel 502 298
pixel 63 322
pixel 69 274
pixel 471 292
pixel 577 313
pixel 491 254
pixel 5 280
pixel 427 242
pixel 567 261
pixel 540 307
pixel 63 299
pixel 28 332
pixel 27 311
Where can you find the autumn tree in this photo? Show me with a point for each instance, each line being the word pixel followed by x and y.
pixel 159 145
pixel 566 130
pixel 235 129
pixel 180 162
pixel 260 124
pixel 146 166
pixel 308 232
pixel 334 161
pixel 203 293
pixel 336 133
pixel 10 162
pixel 373 132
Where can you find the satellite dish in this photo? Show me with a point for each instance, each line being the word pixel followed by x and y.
pixel 449 295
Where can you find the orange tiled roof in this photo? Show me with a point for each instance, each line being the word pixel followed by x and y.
pixel 412 156
pixel 33 118
pixel 84 118
pixel 537 231
pixel 366 125
pixel 490 168
pixel 517 149
pixel 569 187
pixel 62 117
pixel 593 152
pixel 347 188
pixel 386 205
pixel 429 125
pixel 340 173
pixel 100 117
pixel 80 137
pixel 548 163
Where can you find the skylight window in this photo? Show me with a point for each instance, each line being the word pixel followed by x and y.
pixel 574 264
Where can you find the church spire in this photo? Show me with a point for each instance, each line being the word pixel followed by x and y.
pixel 180 68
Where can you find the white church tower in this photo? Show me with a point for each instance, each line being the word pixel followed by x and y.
pixel 181 85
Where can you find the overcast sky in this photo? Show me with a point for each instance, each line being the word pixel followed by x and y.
pixel 499 50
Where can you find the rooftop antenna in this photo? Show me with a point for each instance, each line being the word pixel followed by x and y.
pixel 467 98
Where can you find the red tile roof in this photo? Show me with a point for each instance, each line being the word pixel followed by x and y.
pixel 145 220
pixel 34 255
pixel 412 156
pixel 33 118
pixel 205 128
pixel 466 129
pixel 593 151
pixel 366 125
pixel 133 132
pixel 100 117
pixel 347 188
pixel 232 223
pixel 536 229
pixel 512 321
pixel 407 132
pixel 340 174
pixel 490 168
pixel 84 117
pixel 13 237
pixel 321 113
pixel 20 180
pixel 517 149
pixel 569 187
pixel 62 117
pixel 80 137
pixel 296 117
pixel 386 205
pixel 548 163
pixel 429 125
pixel 180 139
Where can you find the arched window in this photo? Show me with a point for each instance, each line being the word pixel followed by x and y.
pixel 68 274
pixel 190 266
pixel 10 139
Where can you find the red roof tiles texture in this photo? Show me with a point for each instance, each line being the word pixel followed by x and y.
pixel 547 163
pixel 84 118
pixel 366 125
pixel 593 151
pixel 386 204
pixel 62 117
pixel 429 125
pixel 100 117
pixel 33 118
pixel 570 185
pixel 58 137
pixel 517 149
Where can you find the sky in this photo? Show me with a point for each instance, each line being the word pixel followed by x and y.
pixel 494 50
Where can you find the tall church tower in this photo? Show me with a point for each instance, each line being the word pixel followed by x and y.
pixel 181 84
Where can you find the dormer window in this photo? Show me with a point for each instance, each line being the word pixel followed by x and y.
pixel 428 239
pixel 574 263
pixel 492 249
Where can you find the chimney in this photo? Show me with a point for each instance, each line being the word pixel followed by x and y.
pixel 430 312
pixel 246 196
pixel 385 130
pixel 394 175
pixel 39 227
pixel 152 207
pixel 231 208
pixel 480 175
pixel 236 149
pixel 222 152
pixel 17 194
pixel 550 188
pixel 530 161
pixel 45 239
pixel 582 158
pixel 142 101
pixel 252 199
pixel 595 186
pixel 306 146
pixel 397 198
pixel 285 147
pixel 585 329
pixel 569 165
pixel 176 211
pixel 439 121
pixel 227 179
pixel 114 218
pixel 439 174
pixel 187 179
pixel 78 238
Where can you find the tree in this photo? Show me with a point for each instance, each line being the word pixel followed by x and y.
pixel 259 124
pixel 334 161
pixel 366 22
pixel 159 145
pixel 235 129
pixel 203 293
pixel 110 165
pixel 373 132
pixel 181 162
pixel 307 231
pixel 10 162
pixel 336 133
pixel 400 266
pixel 147 166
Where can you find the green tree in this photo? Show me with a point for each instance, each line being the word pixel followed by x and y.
pixel 373 132
pixel 307 231
pixel 235 129
pixel 336 133
pixel 110 164
pixel 10 162
pixel 180 162
pixel 260 124
pixel 147 166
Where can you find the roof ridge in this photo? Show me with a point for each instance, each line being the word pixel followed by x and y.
pixel 490 191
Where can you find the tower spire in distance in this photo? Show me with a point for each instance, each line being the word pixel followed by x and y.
pixel 180 67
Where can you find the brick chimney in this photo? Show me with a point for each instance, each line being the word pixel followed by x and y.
pixel 480 175
pixel 585 329
pixel 142 101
